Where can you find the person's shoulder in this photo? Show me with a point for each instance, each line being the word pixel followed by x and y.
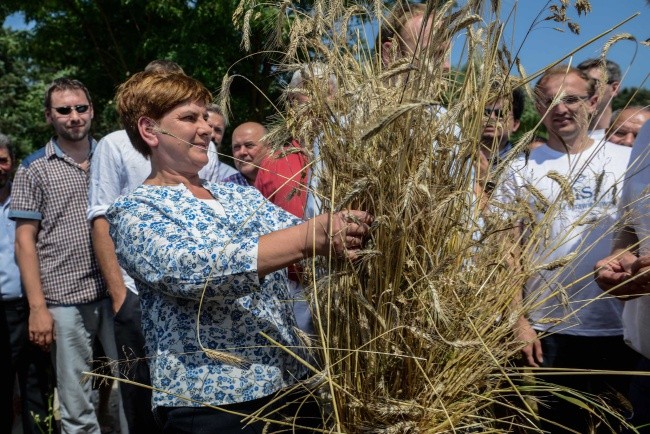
pixel 141 196
pixel 616 149
pixel 236 178
pixel 117 140
pixel 617 153
pixel 34 157
pixel 231 188
pixel 519 159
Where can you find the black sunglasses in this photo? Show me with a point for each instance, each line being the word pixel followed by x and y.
pixel 66 110
pixel 497 112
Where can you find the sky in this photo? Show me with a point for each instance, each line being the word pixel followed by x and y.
pixel 545 44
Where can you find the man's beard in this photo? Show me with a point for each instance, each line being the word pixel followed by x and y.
pixel 76 136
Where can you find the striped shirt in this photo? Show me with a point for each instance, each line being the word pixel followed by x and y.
pixel 52 188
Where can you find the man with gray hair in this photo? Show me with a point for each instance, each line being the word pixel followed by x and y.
pixel 608 81
pixel 22 359
pixel 216 170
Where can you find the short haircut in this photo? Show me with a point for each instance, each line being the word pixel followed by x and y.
pixel 215 108
pixel 61 84
pixel 5 143
pixel 565 70
pixel 164 65
pixel 612 68
pixel 152 95
pixel 398 16
pixel 517 97
pixel 637 109
pixel 518 102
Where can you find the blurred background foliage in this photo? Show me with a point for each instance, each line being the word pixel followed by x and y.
pixel 102 42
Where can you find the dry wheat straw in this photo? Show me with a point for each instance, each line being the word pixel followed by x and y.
pixel 416 336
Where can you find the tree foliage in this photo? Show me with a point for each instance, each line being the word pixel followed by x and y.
pixel 102 42
pixel 631 96
pixel 21 94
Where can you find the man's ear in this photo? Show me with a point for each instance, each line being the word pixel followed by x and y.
pixel 616 86
pixel 147 130
pixel 592 103
pixel 515 126
pixel 48 116
pixel 386 52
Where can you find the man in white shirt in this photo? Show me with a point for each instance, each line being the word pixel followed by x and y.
pixel 608 81
pixel 625 272
pixel 572 185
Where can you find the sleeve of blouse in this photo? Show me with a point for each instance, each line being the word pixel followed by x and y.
pixel 161 254
pixel 276 217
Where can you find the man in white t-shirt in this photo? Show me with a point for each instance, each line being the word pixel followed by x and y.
pixel 625 272
pixel 572 185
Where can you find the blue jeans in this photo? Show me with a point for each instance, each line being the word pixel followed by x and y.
pixel 76 328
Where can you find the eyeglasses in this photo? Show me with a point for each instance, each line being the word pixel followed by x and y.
pixel 66 110
pixel 497 112
pixel 568 100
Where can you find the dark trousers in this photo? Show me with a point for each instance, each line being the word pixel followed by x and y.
pixel 203 420
pixel 640 397
pixel 23 360
pixel 579 352
pixel 129 339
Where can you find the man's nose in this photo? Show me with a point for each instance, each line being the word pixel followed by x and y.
pixel 446 65
pixel 629 139
pixel 74 115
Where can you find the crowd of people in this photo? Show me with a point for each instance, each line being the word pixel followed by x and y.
pixel 184 268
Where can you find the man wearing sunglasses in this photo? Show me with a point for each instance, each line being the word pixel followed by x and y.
pixel 571 185
pixel 502 118
pixel 69 305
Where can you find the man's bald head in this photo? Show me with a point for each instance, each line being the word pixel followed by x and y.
pixel 627 124
pixel 408 32
pixel 248 148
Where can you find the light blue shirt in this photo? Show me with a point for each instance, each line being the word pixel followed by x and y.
pixel 10 287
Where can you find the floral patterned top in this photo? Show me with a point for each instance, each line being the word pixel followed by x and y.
pixel 176 247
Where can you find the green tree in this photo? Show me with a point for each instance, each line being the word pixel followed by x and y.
pixel 631 96
pixel 21 94
pixel 102 42
pixel 529 120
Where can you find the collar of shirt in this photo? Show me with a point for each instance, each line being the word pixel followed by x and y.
pixel 53 149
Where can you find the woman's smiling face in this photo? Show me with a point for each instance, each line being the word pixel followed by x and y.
pixel 183 138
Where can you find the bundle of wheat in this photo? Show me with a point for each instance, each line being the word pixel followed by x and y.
pixel 416 337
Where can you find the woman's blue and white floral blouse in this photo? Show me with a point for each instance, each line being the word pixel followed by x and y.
pixel 175 247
